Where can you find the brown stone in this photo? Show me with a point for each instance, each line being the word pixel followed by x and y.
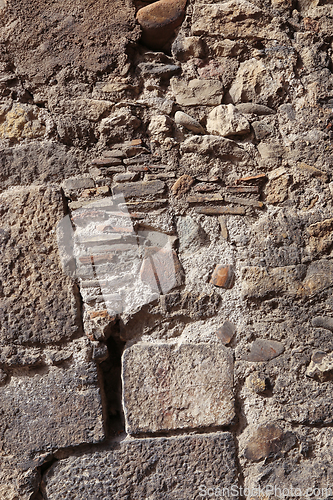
pixel 226 332
pixel 313 171
pixel 266 440
pixel 204 187
pixel 244 201
pixel 182 185
pixel 161 269
pixel 107 162
pixel 197 198
pixel 221 210
pixel 159 21
pixel 252 178
pixel 139 189
pixel 224 228
pixel 223 276
pixel 265 350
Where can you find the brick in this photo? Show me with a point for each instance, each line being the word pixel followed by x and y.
pixel 168 387
pixel 161 468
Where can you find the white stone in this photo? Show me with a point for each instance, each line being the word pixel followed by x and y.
pixel 226 120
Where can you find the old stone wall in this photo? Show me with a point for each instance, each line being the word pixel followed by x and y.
pixel 166 235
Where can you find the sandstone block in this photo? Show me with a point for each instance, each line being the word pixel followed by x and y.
pixel 39 302
pixel 197 92
pixel 158 469
pixel 167 387
pixel 225 120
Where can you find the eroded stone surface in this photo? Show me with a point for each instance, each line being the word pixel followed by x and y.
pixel 166 387
pixel 40 302
pixel 159 469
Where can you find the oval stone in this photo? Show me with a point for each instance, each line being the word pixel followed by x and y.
pixel 159 21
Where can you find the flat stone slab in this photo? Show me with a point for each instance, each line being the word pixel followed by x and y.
pixel 38 301
pixel 155 469
pixel 168 387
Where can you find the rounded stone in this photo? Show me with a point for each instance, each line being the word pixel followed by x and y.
pixel 188 122
pixel 159 21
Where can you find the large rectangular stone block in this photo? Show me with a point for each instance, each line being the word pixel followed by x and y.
pixel 141 469
pixel 169 387
pixel 38 301
pixel 51 408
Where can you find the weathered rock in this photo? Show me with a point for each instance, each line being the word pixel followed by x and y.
pixel 268 440
pixel 226 332
pixel 139 189
pixel 197 92
pixel 320 322
pixel 256 109
pixel 160 124
pixel 159 70
pixel 126 177
pixel 203 198
pixel 277 189
pixel 221 210
pixel 256 383
pixel 184 48
pixel 62 405
pixel 264 350
pixel 180 465
pixel 159 21
pixel 168 387
pixel 262 129
pixel 244 201
pixel 223 276
pixel 161 269
pixel 321 366
pixel 196 306
pixel 188 122
pixel 225 120
pixel 39 302
pixel 191 235
pixel 182 185
pixel 321 237
pixel 234 18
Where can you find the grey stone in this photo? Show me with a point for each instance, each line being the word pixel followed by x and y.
pixel 256 109
pixel 264 350
pixel 191 235
pixel 158 469
pixel 226 332
pixel 320 322
pixel 39 303
pixel 321 366
pixel 268 440
pixel 188 122
pixel 126 177
pixel 139 189
pixel 262 129
pixel 55 408
pixel 183 48
pixel 160 70
pixel 168 387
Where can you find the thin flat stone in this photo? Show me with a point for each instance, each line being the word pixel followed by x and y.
pixel 244 201
pixel 197 198
pixel 139 189
pixel 323 322
pixel 226 332
pixel 221 210
pixel 265 350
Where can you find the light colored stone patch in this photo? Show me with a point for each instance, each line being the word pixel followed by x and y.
pixel 168 387
pixel 226 120
pixel 197 92
pixel 21 122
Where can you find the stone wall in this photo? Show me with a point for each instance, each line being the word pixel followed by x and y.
pixel 166 249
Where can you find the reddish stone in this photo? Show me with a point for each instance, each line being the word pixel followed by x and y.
pixel 223 276
pixel 159 21
pixel 226 332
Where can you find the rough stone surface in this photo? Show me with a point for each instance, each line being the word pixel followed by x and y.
pixel 197 92
pixel 39 302
pixel 164 387
pixel 225 120
pixel 180 465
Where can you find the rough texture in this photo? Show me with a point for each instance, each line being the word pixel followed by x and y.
pixel 169 388
pixel 147 468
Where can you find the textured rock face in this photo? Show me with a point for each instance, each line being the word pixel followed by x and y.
pixel 167 388
pixel 39 302
pixel 168 468
pixel 166 203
